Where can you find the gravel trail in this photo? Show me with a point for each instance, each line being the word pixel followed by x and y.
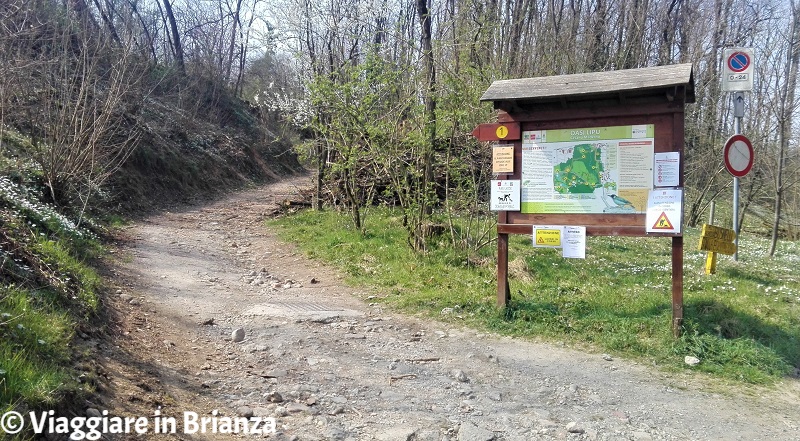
pixel 221 315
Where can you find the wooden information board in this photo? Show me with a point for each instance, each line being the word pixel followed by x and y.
pixel 585 154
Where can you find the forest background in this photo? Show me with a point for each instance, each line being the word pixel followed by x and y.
pixel 379 97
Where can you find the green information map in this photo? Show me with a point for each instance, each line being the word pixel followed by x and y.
pixel 587 170
pixel 580 173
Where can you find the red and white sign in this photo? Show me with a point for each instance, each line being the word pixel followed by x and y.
pixel 737 70
pixel 664 211
pixel 739 155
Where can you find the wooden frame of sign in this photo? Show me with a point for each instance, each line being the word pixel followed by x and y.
pixel 650 97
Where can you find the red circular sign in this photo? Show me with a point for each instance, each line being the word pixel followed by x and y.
pixel 738 61
pixel 738 154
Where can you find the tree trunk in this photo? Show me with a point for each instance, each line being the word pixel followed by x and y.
pixel 147 35
pixel 177 47
pixel 232 45
pixel 425 209
pixel 787 109
pixel 108 19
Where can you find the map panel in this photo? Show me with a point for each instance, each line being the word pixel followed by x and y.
pixel 587 170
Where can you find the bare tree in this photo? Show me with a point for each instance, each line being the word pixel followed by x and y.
pixel 786 111
pixel 177 46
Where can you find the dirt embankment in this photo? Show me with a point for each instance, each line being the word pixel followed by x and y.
pixel 326 363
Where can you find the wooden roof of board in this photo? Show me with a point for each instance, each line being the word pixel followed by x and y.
pixel 594 85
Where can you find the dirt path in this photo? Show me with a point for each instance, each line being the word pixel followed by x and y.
pixel 327 364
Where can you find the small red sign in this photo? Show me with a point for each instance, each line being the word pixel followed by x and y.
pixel 739 155
pixel 497 132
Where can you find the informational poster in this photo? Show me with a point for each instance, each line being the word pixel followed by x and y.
pixel 587 170
pixel 504 195
pixel 664 211
pixel 574 243
pixel 667 169
pixel 503 159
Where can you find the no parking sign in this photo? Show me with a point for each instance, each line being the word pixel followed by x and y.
pixel 737 70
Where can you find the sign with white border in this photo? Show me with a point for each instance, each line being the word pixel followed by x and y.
pixel 547 236
pixel 574 242
pixel 667 169
pixel 504 195
pixel 738 154
pixel 737 69
pixel 664 211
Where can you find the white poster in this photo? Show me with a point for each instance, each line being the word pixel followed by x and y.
pixel 574 242
pixel 505 195
pixel 667 169
pixel 664 211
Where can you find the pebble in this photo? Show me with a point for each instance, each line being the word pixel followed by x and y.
pixel 237 335
pixel 574 427
pixel 398 433
pixel 335 434
pixel 244 411
pixel 691 361
pixel 274 397
pixel 297 408
pixel 93 413
pixel 459 375
pixel 470 432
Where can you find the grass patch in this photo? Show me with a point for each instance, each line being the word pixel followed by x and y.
pixel 47 290
pixel 34 348
pixel 742 323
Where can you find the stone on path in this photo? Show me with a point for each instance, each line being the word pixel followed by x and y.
pixel 274 397
pixel 397 433
pixel 459 375
pixel 470 432
pixel 574 427
pixel 237 335
pixel 244 411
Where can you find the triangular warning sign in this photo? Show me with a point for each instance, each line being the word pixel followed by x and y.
pixel 663 223
pixel 540 240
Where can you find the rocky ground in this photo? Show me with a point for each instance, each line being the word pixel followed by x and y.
pixel 219 317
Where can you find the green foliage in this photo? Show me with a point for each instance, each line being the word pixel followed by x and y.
pixel 743 323
pixel 46 289
pixel 368 122
pixel 34 349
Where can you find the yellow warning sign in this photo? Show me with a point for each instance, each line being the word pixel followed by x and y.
pixel 547 237
pixel 663 223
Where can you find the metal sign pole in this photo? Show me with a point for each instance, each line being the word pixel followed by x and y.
pixel 738 114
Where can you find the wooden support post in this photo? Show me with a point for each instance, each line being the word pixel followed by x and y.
pixel 503 291
pixel 711 263
pixel 677 286
pixel 711 257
